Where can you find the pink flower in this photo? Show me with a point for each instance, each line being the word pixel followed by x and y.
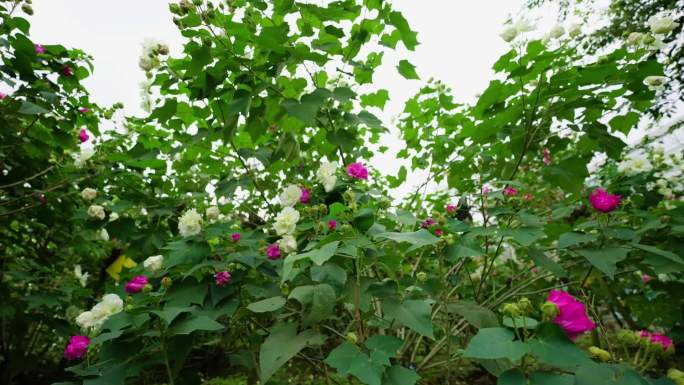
pixel 657 338
pixel 67 71
pixel 332 224
pixel 450 208
pixel 39 49
pixel 136 284
pixel 84 110
pixel 273 251
pixel 546 156
pixel 2 95
pixel 439 232
pixel 77 347
pixel 222 278
pixel 427 223
pixel 83 135
pixel 485 190
pixel 646 278
pixel 235 237
pixel 603 201
pixel 572 316
pixel 306 195
pixel 510 191
pixel 528 197
pixel 357 170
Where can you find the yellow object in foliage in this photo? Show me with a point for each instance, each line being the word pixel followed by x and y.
pixel 115 268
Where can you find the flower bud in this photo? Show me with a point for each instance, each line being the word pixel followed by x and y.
pixel 627 337
pixel 166 282
pixel 422 276
pixel 511 310
pixel 352 338
pixel 525 305
pixel 323 209
pixel 600 354
pixel 550 310
pixel 147 288
pixel 385 203
pixel 450 239
pixel 27 9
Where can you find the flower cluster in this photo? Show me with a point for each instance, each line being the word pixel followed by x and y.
pixel 95 317
pixel 222 278
pixel 153 263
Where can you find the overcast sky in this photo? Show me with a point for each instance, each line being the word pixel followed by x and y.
pixel 459 42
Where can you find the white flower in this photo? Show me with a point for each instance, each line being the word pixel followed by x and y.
pixel 575 29
pixel 86 320
pixel 213 212
pixel 104 235
pixel 635 163
pixel 286 221
pixel 87 152
pixel 153 263
pixel 190 223
pixel 655 83
pixel 81 276
pixel 326 175
pixel 654 43
pixel 635 38
pixel 96 211
pixel 522 26
pixel 509 33
pixel 95 317
pixel 290 196
pixel 113 217
pixel 557 31
pixel 662 24
pixel 288 243
pixel 88 193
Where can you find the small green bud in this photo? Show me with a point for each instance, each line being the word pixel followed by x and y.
pixel 27 9
pixel 422 276
pixel 352 338
pixel 525 305
pixel 450 239
pixel 550 310
pixel 167 282
pixel 600 354
pixel 385 203
pixel 511 310
pixel 129 307
pixel 323 209
pixel 628 337
pixel 147 288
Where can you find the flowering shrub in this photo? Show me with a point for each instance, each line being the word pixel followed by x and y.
pixel 239 228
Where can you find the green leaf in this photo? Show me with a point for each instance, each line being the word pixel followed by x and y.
pixel 418 238
pixel 383 348
pixel 408 37
pixel 494 343
pixel 28 108
pixel 399 375
pixel 624 123
pixel 574 238
pixel 376 99
pixel 540 259
pixel 317 256
pixel 511 377
pixel 307 108
pixel 319 298
pixel 525 235
pixel 459 250
pixel 552 347
pixel 521 322
pixel 194 323
pixel 605 259
pixel 329 273
pixel 412 313
pixel 283 343
pixel 663 253
pixel 476 315
pixel 268 304
pixel 347 359
pixel 169 313
pixel 407 70
pixel 541 378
